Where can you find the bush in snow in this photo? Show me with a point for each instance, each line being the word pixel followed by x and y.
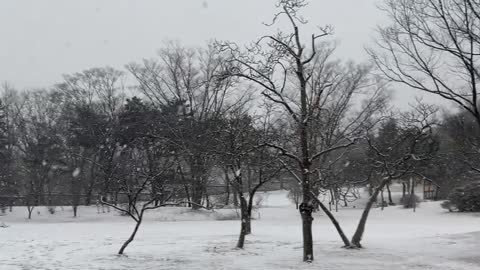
pixel 51 209
pixel 258 201
pixel 227 216
pixel 409 202
pixel 465 198
pixel 448 205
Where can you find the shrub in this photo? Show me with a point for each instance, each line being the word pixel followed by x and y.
pixel 448 205
pixel 51 209
pixel 231 215
pixel 466 198
pixel 3 209
pixel 408 202
pixel 258 201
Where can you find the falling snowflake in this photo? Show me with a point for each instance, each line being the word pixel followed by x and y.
pixel 76 172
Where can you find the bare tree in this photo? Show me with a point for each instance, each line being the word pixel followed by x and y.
pixel 277 64
pixel 187 80
pixel 249 164
pixel 433 46
pixel 133 183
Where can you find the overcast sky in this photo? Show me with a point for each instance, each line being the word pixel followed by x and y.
pixel 41 40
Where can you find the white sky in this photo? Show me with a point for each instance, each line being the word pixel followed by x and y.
pixel 41 40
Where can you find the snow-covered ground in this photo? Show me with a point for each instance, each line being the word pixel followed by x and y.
pixel 177 238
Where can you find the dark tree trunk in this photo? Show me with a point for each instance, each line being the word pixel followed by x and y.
pixel 90 186
pixel 207 200
pixel 336 202
pixel 197 194
pixel 306 209
pixel 383 199
pixel 404 190
pixel 75 207
pixel 307 221
pixel 88 197
pixel 227 191
pixel 345 202
pixel 187 193
pixel 132 236
pixel 357 237
pixel 249 213
pixel 235 200
pixel 413 201
pixel 390 200
pixel 244 220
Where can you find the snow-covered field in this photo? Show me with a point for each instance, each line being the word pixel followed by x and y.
pixel 177 238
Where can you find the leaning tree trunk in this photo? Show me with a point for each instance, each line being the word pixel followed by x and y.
pixel 357 237
pixel 30 210
pixel 132 236
pixel 345 240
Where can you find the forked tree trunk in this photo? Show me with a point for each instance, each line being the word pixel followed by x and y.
pixel 30 210
pixel 132 236
pixel 357 237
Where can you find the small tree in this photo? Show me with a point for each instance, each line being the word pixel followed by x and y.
pixel 133 184
pixel 248 161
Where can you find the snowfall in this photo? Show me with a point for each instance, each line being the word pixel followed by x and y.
pixel 179 238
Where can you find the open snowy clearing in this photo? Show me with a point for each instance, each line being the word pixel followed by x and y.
pixel 177 238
